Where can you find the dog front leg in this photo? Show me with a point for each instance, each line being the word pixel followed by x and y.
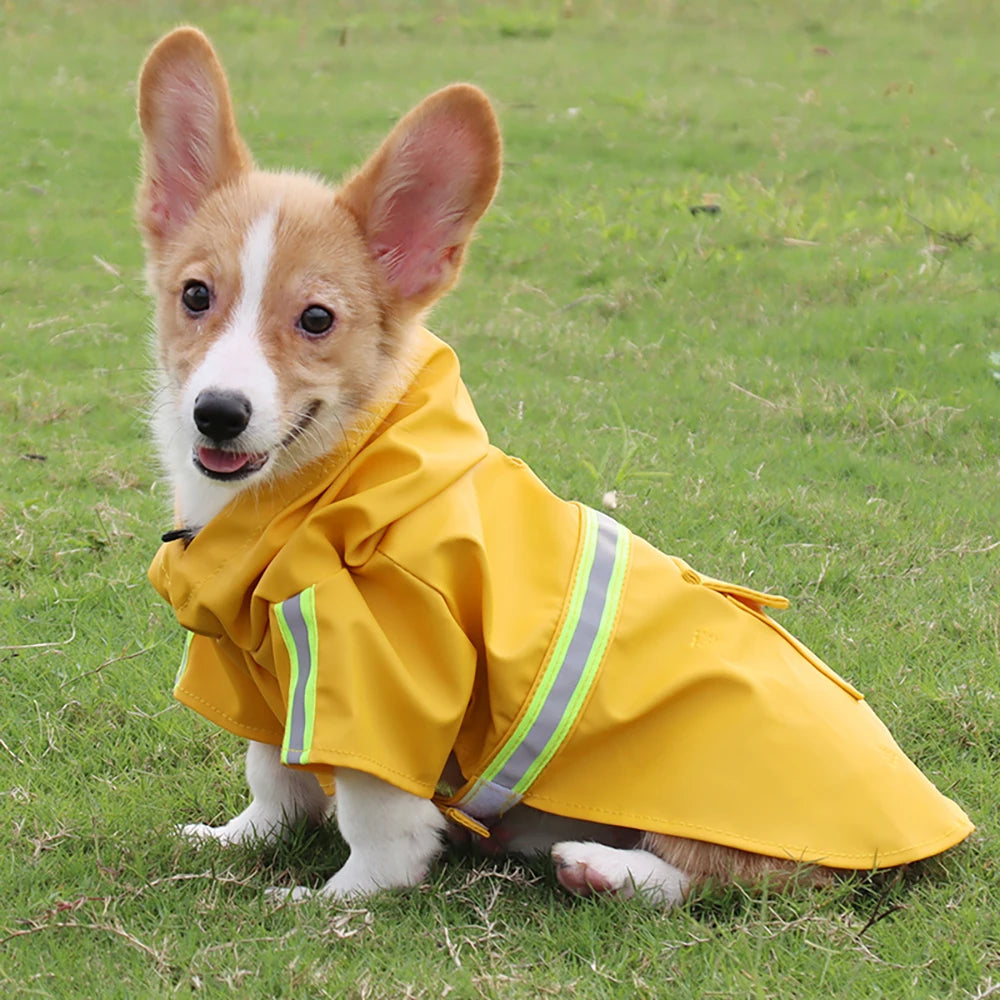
pixel 394 837
pixel 281 797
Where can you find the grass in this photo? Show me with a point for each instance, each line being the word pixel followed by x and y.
pixel 795 391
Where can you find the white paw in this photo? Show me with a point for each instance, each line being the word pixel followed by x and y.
pixel 335 889
pixel 294 895
pixel 589 868
pixel 238 830
pixel 200 833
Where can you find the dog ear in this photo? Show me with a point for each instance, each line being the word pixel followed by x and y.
pixel 192 145
pixel 421 194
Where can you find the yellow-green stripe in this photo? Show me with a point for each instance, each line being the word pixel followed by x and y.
pixel 569 673
pixel 299 631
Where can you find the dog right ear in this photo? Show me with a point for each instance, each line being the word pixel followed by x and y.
pixel 192 145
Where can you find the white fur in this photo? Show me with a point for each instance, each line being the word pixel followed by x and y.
pixel 236 361
pixel 393 836
pixel 621 872
pixel 197 498
pixel 281 796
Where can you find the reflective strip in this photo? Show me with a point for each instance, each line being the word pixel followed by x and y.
pixel 188 639
pixel 567 676
pixel 297 624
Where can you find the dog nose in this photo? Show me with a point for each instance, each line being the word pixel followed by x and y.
pixel 221 416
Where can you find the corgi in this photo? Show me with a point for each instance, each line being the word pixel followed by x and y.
pixel 411 632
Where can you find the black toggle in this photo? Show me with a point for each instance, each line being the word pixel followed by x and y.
pixel 171 536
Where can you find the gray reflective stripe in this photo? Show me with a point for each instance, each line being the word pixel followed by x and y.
pixel 577 654
pixel 297 624
pixel 488 801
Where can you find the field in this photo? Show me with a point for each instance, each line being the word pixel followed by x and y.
pixel 798 389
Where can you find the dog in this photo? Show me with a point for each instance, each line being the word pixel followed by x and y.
pixel 409 629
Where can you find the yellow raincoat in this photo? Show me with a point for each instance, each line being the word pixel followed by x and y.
pixel 419 593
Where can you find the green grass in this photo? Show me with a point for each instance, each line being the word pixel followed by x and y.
pixel 795 392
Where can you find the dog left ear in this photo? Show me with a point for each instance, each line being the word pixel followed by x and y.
pixel 421 194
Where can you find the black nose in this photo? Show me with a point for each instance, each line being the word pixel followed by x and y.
pixel 221 416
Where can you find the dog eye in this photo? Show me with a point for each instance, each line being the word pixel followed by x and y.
pixel 316 320
pixel 196 296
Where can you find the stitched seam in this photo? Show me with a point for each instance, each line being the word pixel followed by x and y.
pixel 218 711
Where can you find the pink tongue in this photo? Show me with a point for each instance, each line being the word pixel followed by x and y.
pixel 223 461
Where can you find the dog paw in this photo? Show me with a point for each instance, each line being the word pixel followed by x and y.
pixel 587 869
pixel 582 870
pixel 200 833
pixel 248 828
pixel 296 894
pixel 330 891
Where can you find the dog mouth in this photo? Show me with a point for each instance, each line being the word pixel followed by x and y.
pixel 219 463
pixel 229 465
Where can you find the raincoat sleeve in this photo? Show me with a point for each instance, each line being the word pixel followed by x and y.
pixel 376 675
pixel 220 683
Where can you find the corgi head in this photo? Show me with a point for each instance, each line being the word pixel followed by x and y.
pixel 283 305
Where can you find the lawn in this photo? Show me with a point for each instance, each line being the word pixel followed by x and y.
pixel 794 390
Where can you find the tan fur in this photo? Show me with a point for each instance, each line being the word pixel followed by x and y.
pixel 712 863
